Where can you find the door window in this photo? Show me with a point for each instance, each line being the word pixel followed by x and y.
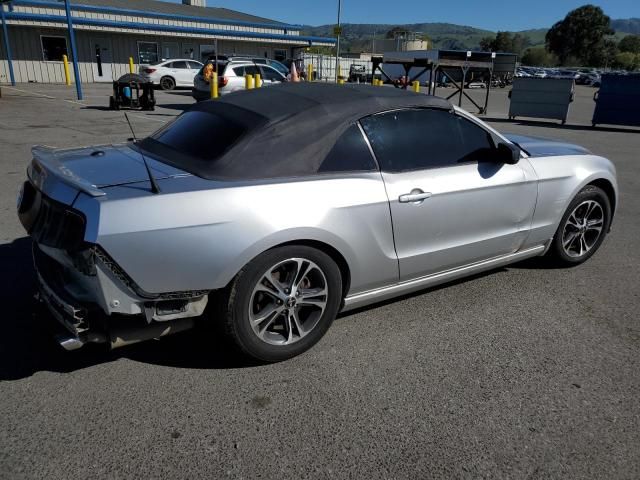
pixel 195 65
pixel 425 138
pixel 349 154
pixel 182 65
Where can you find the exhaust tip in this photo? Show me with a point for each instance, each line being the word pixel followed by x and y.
pixel 69 343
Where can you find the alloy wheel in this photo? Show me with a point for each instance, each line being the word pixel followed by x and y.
pixel 583 228
pixel 288 301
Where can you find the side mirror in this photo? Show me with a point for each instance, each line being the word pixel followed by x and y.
pixel 507 153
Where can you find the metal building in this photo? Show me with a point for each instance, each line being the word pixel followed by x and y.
pixel 108 32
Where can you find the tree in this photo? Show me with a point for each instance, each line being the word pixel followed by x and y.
pixel 538 57
pixel 396 32
pixel 580 34
pixel 505 42
pixel 630 43
pixel 486 44
pixel 627 60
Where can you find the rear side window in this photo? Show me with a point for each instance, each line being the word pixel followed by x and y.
pixel 246 70
pixel 349 154
pixel 179 65
pixel 200 135
pixel 425 138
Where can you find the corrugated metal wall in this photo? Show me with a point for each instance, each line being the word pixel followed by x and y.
pixel 29 66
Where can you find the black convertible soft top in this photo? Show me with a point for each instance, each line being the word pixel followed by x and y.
pixel 290 128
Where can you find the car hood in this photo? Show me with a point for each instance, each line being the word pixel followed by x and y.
pixel 542 147
pixel 103 166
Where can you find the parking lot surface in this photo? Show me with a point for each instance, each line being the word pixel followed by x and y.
pixel 523 372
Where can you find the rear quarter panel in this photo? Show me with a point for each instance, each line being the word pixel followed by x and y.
pixel 198 234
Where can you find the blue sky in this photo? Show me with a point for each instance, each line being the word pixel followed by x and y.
pixel 490 14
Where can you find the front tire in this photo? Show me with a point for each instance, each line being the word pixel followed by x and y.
pixel 583 227
pixel 282 302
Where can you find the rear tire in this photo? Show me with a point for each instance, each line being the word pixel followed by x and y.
pixel 282 303
pixel 167 83
pixel 583 227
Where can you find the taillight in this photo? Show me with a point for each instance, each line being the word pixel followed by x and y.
pixel 149 70
pixel 222 81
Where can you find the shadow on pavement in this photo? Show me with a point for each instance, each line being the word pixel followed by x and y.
pixel 27 347
pixel 555 124
pixel 175 106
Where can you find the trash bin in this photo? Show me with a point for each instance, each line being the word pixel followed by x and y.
pixel 541 98
pixel 618 100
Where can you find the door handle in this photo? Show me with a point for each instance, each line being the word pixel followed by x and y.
pixel 416 196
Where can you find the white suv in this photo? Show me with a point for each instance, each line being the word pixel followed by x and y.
pixel 231 77
pixel 169 74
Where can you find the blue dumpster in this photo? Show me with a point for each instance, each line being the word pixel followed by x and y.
pixel 618 100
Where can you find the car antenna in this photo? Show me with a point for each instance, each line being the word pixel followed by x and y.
pixel 154 185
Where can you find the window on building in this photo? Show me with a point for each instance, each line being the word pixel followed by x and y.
pixel 53 48
pixel 425 138
pixel 280 55
pixel 147 52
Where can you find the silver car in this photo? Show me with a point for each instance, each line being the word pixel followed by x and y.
pixel 271 210
pixel 232 78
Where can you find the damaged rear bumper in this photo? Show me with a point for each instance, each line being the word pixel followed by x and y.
pixel 94 301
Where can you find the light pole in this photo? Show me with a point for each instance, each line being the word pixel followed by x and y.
pixel 338 40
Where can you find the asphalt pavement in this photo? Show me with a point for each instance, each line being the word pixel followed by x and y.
pixel 524 372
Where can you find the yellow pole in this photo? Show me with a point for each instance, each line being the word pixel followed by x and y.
pixel 67 77
pixel 310 72
pixel 340 81
pixel 213 85
pixel 248 82
pixel 131 65
pixel 416 86
pixel 258 80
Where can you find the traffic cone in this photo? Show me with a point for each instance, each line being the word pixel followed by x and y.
pixel 294 73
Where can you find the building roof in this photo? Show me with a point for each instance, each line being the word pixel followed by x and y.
pixel 214 13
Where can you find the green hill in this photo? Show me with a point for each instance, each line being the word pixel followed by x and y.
pixel 358 37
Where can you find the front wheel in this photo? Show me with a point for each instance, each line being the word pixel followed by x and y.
pixel 282 302
pixel 583 227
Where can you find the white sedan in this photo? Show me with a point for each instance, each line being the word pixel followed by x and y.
pixel 169 74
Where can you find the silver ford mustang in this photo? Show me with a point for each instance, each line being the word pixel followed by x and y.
pixel 272 210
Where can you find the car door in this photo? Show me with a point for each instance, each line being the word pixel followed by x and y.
pixel 451 204
pixel 182 73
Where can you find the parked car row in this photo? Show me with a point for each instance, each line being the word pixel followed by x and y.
pixel 179 72
pixel 582 76
pixel 231 73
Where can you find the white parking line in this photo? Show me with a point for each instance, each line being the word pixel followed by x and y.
pixel 31 93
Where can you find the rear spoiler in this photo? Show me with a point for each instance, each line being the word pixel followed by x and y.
pixel 45 162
